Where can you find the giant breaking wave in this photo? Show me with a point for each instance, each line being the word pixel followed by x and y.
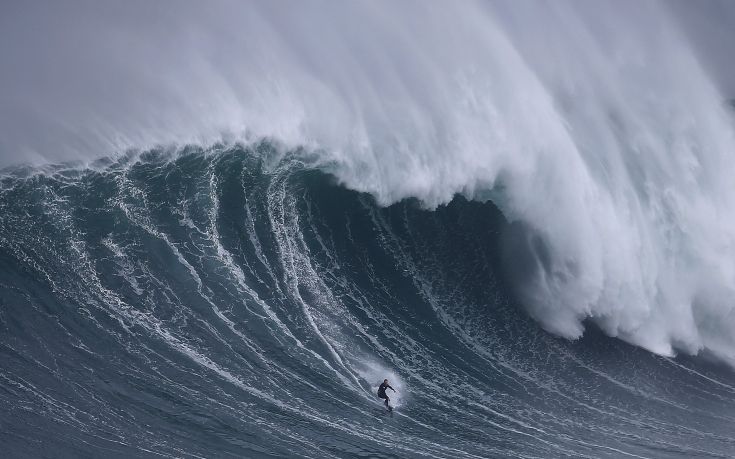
pixel 597 127
pixel 220 227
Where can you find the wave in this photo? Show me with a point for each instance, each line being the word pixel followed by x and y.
pixel 254 213
pixel 237 301
pixel 599 129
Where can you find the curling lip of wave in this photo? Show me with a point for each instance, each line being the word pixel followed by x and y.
pixel 598 129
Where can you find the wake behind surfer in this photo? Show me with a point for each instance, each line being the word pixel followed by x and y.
pixel 382 394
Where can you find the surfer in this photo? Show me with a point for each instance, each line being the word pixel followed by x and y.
pixel 382 394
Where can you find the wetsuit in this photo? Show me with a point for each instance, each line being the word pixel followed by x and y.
pixel 382 394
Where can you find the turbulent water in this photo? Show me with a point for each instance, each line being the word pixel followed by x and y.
pixel 222 225
pixel 236 301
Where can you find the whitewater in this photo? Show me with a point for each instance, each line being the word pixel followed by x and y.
pixel 221 228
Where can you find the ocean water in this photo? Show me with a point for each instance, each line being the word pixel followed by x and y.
pixel 223 225
pixel 234 301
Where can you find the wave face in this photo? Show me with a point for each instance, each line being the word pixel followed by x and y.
pixel 237 301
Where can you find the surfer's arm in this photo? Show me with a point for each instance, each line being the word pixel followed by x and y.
pixel 392 389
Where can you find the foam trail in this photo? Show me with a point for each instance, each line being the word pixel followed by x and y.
pixel 597 128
